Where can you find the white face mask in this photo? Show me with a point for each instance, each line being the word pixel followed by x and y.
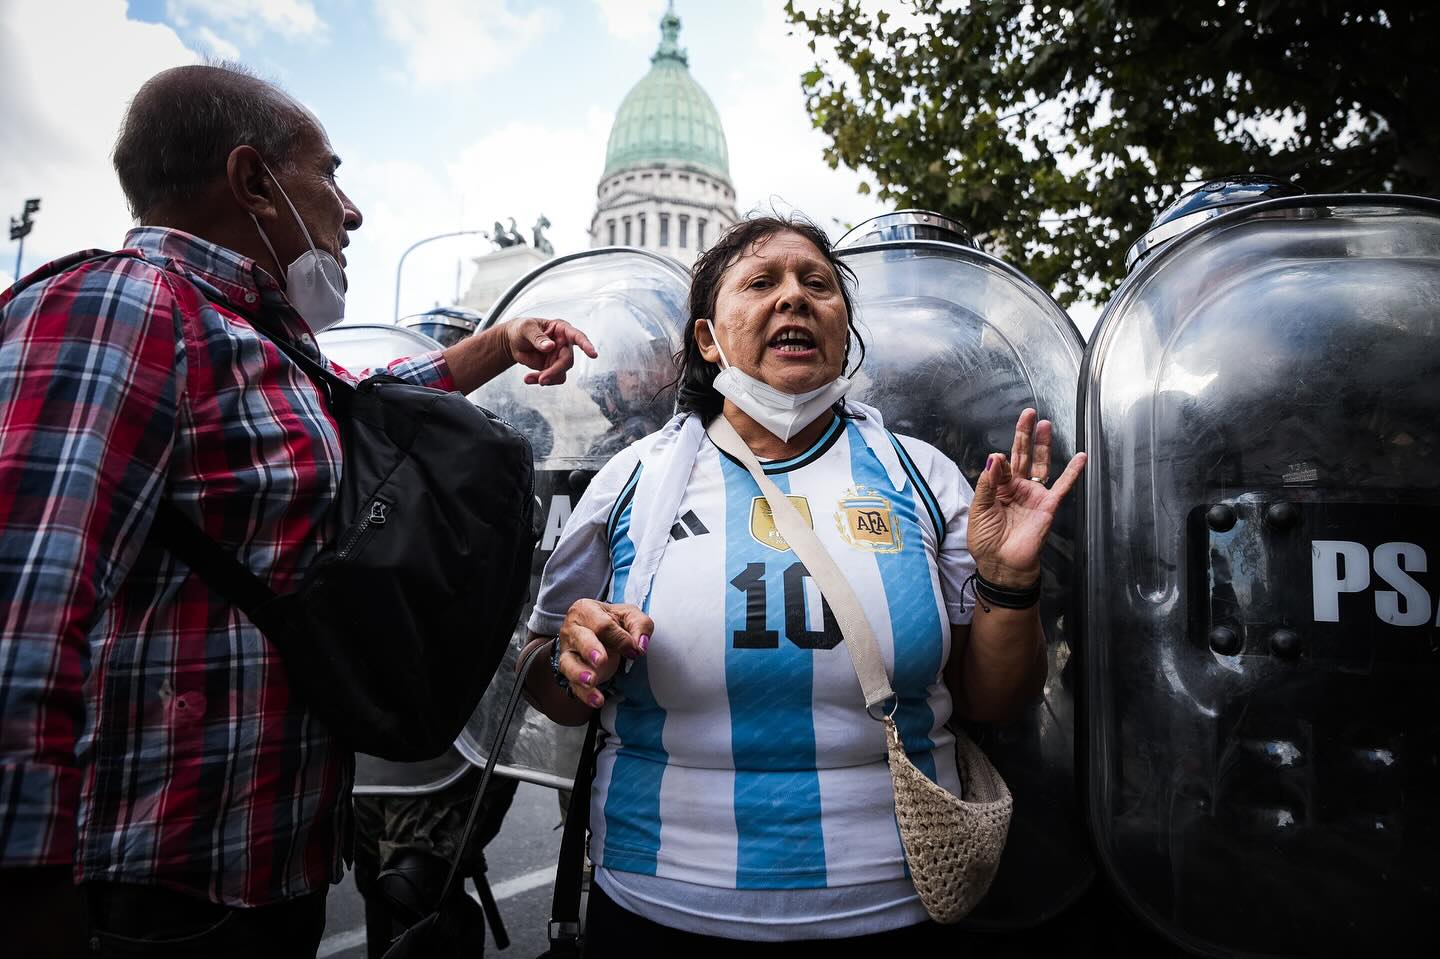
pixel 314 283
pixel 783 414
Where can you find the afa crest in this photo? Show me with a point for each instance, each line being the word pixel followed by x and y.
pixel 762 521
pixel 867 521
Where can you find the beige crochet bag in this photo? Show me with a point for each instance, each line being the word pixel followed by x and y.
pixel 952 844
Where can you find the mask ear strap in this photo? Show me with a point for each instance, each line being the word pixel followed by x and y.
pixel 256 220
pixel 293 212
pixel 715 338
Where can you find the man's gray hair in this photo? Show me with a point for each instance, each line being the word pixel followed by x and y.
pixel 182 125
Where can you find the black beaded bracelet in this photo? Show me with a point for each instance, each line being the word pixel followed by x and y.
pixel 989 594
pixel 560 678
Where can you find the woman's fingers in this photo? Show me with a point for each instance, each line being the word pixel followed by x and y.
pixel 638 627
pixel 580 662
pixel 618 639
pixel 1067 479
pixel 1040 459
pixel 1020 449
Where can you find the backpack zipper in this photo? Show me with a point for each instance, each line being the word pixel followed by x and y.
pixel 378 515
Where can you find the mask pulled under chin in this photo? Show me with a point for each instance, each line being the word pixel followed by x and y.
pixel 783 414
pixel 314 282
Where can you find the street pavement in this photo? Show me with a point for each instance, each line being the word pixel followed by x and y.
pixel 521 870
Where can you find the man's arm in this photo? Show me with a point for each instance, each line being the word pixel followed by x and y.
pixel 90 383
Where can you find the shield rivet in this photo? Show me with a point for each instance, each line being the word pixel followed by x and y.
pixel 1285 643
pixel 1221 518
pixel 1225 641
pixel 1282 515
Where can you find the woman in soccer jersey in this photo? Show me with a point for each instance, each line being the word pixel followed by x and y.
pixel 741 791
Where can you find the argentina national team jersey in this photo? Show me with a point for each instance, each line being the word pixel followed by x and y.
pixel 737 753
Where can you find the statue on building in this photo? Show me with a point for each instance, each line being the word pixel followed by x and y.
pixel 538 235
pixel 507 238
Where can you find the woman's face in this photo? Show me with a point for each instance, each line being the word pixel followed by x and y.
pixel 779 315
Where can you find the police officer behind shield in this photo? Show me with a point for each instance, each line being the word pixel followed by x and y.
pixel 741 793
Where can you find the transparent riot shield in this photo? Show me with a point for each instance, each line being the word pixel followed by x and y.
pixel 1260 750
pixel 957 344
pixel 362 346
pixel 446 325
pixel 358 347
pixel 632 304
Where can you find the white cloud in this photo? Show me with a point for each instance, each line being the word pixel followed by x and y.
pixel 218 45
pixel 455 41
pixel 289 18
pixel 60 124
pixel 776 154
pixel 632 19
pixel 521 170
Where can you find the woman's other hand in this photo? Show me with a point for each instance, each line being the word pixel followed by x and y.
pixel 1013 509
pixel 595 639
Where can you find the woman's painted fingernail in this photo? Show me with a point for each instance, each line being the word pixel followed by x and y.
pixel 989 461
pixel 587 678
pixel 595 657
pixel 644 644
pixel 595 700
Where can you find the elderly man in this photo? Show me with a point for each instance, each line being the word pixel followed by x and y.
pixel 201 806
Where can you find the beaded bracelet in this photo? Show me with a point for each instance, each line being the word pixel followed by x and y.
pixel 560 678
pixel 606 688
pixel 987 594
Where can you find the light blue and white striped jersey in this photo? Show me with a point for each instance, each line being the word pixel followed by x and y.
pixel 737 754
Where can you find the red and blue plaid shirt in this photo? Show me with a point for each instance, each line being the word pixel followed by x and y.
pixel 149 734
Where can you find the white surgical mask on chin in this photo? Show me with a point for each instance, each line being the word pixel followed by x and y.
pixel 783 414
pixel 314 283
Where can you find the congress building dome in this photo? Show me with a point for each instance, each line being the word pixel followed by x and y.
pixel 666 185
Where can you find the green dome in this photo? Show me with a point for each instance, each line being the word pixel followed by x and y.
pixel 667 118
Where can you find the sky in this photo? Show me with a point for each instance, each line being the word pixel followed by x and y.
pixel 448 114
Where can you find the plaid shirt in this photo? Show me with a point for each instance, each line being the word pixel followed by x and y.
pixel 149 733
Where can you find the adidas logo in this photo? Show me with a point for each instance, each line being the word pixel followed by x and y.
pixel 691 526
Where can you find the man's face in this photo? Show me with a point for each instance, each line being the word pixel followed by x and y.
pixel 310 182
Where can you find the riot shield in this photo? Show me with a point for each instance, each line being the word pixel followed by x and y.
pixel 361 346
pixel 446 325
pixel 632 305
pixel 1260 750
pixel 358 347
pixel 957 344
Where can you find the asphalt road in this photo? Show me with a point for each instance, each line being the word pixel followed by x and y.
pixel 521 869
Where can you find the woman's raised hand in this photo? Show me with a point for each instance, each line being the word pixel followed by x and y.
pixel 1013 509
pixel 594 640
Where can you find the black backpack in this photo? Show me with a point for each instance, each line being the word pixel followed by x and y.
pixel 398 626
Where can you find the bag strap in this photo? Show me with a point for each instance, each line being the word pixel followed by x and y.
pixel 496 745
pixel 564 929
pixel 849 614
pixel 221 572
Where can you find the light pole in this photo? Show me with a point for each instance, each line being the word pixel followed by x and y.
pixel 20 229
pixel 401 265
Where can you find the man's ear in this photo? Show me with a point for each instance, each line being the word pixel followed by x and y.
pixel 250 182
pixel 705 340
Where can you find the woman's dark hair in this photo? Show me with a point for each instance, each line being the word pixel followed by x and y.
pixel 696 390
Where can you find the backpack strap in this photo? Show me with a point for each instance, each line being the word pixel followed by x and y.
pixel 221 571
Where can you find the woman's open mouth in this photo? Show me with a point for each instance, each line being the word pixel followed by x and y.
pixel 793 343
